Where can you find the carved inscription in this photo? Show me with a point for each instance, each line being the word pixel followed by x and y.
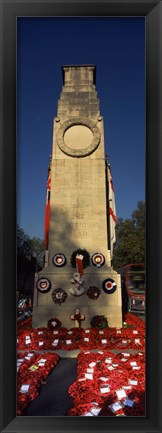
pixel 78 234
pixel 78 215
pixel 78 225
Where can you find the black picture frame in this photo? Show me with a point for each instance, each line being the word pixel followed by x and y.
pixel 10 10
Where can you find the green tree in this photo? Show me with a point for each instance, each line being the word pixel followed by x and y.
pixel 30 247
pixel 23 243
pixel 130 235
pixel 38 249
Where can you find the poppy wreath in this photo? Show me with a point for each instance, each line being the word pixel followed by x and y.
pixel 99 322
pixel 93 292
pixel 59 296
pixel 43 285
pixel 105 387
pixel 134 321
pixel 59 260
pixel 25 324
pixel 32 369
pixel 84 253
pixel 109 286
pixel 54 323
pixel 98 259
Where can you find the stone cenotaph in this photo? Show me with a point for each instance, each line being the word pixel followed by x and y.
pixel 79 212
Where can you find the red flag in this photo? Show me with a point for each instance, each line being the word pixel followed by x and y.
pixel 47 209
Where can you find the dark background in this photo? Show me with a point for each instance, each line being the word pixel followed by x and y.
pixel 153 12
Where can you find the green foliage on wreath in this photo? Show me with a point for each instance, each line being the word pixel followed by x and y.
pixel 86 257
pixel 59 295
pixel 99 322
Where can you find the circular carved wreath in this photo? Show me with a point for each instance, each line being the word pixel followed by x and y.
pixel 93 292
pixel 59 260
pixel 98 259
pixel 86 257
pixel 59 296
pixel 54 323
pixel 78 152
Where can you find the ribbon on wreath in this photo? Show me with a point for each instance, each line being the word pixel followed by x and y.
pixel 79 263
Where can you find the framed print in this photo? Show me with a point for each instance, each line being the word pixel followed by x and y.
pixel 18 42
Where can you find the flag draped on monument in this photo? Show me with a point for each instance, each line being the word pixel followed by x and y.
pixel 112 211
pixel 47 208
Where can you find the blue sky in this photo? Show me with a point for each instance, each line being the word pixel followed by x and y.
pixel 117 47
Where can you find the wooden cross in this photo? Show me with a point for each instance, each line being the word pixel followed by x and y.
pixel 77 317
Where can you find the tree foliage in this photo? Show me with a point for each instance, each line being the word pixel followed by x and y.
pixel 30 247
pixel 130 235
pixel 23 243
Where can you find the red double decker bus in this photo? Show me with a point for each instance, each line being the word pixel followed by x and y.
pixel 133 287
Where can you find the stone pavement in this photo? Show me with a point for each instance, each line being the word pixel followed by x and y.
pixel 53 399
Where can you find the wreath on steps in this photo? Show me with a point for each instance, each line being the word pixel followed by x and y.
pixel 99 322
pixel 54 323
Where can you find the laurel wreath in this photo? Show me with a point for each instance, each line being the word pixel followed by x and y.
pixel 54 323
pixel 93 292
pixel 59 296
pixel 84 253
pixel 99 322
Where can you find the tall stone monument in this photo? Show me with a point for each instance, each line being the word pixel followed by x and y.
pixel 79 210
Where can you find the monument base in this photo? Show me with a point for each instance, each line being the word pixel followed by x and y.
pixel 109 305
pixel 42 313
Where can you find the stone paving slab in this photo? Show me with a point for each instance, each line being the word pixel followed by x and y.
pixel 53 399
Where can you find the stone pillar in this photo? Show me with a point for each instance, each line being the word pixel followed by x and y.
pixel 78 203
